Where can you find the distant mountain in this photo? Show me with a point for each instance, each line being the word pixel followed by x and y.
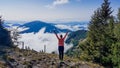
pixel 75 37
pixel 35 26
pixel 16 24
pixel 6 25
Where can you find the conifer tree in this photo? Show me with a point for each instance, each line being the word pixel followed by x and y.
pixel 5 38
pixel 98 38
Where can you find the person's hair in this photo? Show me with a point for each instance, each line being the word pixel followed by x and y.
pixel 61 36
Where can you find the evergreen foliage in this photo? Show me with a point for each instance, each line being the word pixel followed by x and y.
pixel 5 38
pixel 102 44
pixel 99 41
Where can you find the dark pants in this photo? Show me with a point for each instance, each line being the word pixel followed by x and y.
pixel 61 52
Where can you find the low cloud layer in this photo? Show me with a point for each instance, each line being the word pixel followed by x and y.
pixel 73 28
pixel 38 40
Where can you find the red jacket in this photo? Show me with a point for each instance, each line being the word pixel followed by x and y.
pixel 61 40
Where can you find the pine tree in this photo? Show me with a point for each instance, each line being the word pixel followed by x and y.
pixel 105 11
pixel 98 37
pixel 5 38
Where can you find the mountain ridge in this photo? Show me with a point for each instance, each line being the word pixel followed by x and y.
pixel 35 26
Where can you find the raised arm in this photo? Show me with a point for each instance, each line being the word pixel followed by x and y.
pixel 65 35
pixel 56 35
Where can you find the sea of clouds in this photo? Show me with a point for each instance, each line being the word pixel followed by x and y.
pixel 37 41
pixel 72 28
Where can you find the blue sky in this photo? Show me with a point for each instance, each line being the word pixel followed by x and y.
pixel 52 10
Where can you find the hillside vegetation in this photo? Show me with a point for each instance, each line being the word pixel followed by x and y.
pixel 102 44
pixel 24 58
pixel 75 37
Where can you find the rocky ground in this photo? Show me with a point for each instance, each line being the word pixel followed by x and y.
pixel 17 58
